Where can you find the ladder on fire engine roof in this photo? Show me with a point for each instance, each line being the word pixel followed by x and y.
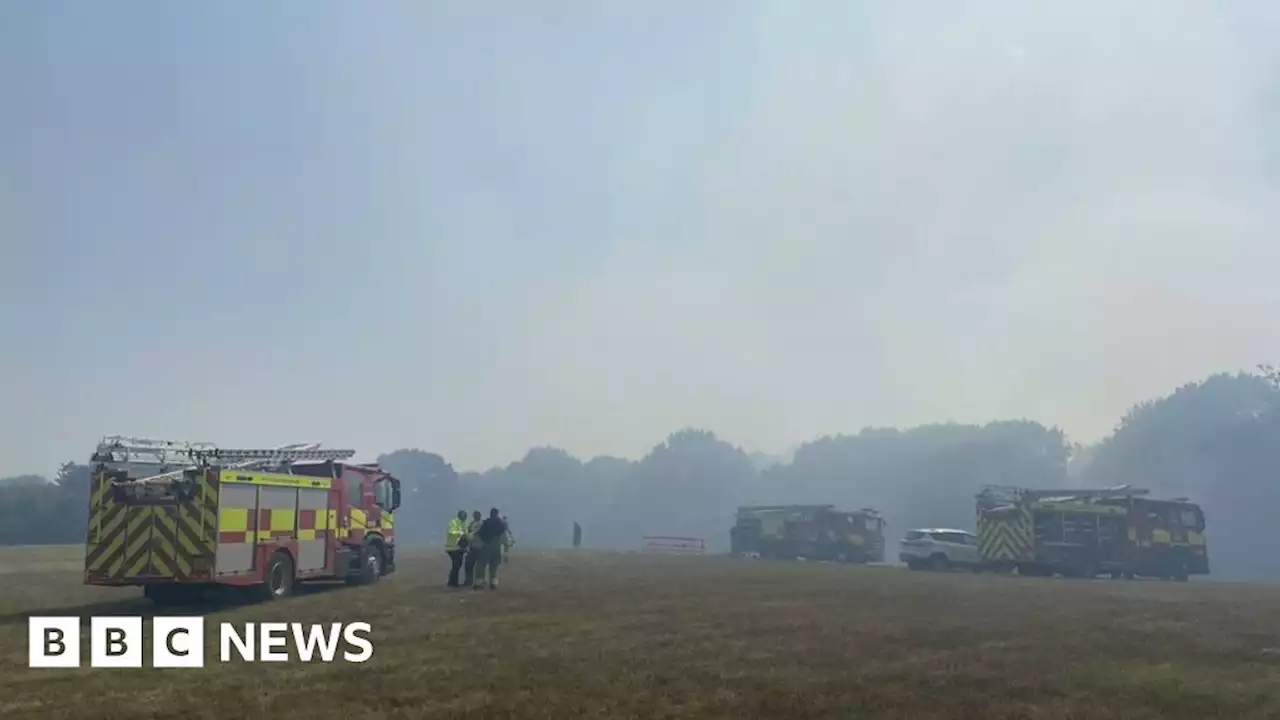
pixel 771 508
pixel 1008 495
pixel 157 460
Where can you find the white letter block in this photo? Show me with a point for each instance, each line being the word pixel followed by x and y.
pixel 53 642
pixel 115 642
pixel 177 642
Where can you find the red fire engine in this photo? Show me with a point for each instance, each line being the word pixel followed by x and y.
pixel 177 518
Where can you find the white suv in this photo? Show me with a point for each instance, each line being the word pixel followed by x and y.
pixel 940 549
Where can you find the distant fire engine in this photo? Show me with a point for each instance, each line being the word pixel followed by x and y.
pixel 178 517
pixel 815 532
pixel 1079 532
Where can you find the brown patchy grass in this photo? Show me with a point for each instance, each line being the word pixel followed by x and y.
pixel 574 635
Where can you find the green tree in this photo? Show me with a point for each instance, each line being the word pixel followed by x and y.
pixel 688 486
pixel 429 489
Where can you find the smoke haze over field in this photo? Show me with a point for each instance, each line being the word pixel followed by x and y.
pixel 483 231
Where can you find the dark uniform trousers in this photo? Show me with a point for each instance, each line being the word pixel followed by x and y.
pixel 455 564
pixel 473 556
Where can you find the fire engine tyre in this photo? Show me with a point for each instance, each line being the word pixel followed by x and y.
pixel 1180 570
pixel 279 584
pixel 370 565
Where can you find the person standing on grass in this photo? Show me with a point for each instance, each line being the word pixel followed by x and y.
pixel 455 544
pixel 577 535
pixel 490 534
pixel 508 540
pixel 474 548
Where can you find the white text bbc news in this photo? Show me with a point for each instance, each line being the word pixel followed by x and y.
pixel 179 642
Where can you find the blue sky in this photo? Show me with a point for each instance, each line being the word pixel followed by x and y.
pixel 582 224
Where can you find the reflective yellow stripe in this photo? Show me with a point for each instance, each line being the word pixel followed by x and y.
pixel 248 478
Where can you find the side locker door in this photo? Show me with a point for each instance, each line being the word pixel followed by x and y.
pixel 237 527
pixel 277 513
pixel 1108 529
pixel 313 514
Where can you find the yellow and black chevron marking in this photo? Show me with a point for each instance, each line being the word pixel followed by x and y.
pixel 167 540
pixel 1006 536
pixel 106 527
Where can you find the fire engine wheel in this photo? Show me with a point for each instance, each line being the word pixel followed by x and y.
pixel 370 565
pixel 279 582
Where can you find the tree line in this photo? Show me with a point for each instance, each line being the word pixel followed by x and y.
pixel 1214 441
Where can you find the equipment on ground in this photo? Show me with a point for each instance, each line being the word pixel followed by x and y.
pixel 812 532
pixel 671 545
pixel 180 517
pixel 1082 532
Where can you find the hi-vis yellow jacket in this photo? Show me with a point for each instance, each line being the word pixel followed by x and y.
pixel 456 530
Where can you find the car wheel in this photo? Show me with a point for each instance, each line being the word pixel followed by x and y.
pixel 939 562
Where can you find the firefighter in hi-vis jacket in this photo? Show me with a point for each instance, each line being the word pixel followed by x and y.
pixel 455 544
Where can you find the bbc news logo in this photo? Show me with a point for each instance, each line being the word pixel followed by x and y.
pixel 179 642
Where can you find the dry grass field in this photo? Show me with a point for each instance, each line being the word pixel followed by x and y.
pixel 573 635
